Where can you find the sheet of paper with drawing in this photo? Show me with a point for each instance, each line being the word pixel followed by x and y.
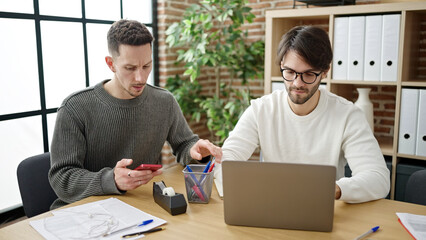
pixel 94 220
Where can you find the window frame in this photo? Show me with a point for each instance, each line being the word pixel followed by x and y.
pixel 44 111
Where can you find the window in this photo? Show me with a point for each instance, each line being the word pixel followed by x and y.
pixel 50 49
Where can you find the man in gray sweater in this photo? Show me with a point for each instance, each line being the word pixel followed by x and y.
pixel 105 131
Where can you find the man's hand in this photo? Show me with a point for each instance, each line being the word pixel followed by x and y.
pixel 127 179
pixel 338 193
pixel 203 148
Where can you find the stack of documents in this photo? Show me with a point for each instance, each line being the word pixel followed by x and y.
pixel 414 224
pixel 94 220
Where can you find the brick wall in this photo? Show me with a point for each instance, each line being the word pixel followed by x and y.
pixel 170 11
pixel 421 69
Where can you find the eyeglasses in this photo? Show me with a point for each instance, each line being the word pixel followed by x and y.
pixel 307 77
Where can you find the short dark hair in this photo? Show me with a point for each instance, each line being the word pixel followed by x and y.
pixel 127 32
pixel 309 42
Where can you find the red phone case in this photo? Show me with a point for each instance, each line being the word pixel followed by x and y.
pixel 152 167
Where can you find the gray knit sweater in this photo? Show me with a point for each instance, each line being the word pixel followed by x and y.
pixel 95 130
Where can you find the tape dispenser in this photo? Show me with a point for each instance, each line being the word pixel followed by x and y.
pixel 172 202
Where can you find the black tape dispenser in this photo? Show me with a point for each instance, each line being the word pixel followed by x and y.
pixel 172 202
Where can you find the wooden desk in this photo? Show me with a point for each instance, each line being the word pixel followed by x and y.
pixel 206 221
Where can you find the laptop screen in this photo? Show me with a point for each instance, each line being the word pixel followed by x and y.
pixel 279 195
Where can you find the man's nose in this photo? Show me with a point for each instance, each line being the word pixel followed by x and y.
pixel 297 82
pixel 139 75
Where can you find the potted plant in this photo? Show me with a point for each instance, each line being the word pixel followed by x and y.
pixel 210 36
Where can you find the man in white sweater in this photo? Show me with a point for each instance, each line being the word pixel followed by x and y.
pixel 306 124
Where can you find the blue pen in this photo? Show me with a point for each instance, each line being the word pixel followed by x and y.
pixel 194 189
pixel 197 183
pixel 146 222
pixel 192 175
pixel 206 169
pixel 374 229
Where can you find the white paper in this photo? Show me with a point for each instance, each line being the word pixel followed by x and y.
pixel 219 187
pixel 92 220
pixel 415 224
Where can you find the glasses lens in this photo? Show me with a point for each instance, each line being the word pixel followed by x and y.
pixel 309 77
pixel 289 74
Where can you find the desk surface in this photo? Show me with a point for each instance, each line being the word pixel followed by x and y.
pixel 203 221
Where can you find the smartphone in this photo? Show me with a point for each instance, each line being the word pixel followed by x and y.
pixel 152 167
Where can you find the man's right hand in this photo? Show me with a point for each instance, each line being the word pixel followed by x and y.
pixel 128 179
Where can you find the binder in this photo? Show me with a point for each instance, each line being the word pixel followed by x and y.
pixel 408 121
pixel 340 48
pixel 356 38
pixel 373 49
pixel 390 47
pixel 421 125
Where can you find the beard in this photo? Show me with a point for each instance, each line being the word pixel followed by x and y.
pixel 297 98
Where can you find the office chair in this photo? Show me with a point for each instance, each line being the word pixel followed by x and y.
pixel 36 193
pixel 415 191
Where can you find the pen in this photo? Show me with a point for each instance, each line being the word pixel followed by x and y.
pixel 140 233
pixel 209 171
pixel 192 175
pixel 374 229
pixel 196 188
pixel 197 185
pixel 146 222
pixel 206 169
pixel 211 166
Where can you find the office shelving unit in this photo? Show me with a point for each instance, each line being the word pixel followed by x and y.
pixel 413 19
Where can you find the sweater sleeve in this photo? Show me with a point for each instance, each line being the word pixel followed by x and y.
pixel 241 142
pixel 67 175
pixel 370 176
pixel 244 138
pixel 180 136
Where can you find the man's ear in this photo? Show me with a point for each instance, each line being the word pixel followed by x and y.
pixel 324 73
pixel 110 62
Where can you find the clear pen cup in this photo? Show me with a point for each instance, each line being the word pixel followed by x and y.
pixel 198 184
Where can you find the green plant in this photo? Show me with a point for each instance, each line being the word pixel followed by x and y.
pixel 187 95
pixel 211 36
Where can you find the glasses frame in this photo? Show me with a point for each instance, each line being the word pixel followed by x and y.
pixel 301 75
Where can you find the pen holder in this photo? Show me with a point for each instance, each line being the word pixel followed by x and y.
pixel 173 204
pixel 198 184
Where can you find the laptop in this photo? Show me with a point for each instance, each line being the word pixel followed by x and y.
pixel 279 195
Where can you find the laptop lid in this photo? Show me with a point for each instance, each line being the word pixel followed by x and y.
pixel 279 195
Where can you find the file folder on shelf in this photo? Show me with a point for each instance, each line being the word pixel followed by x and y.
pixel 356 42
pixel 421 125
pixel 340 48
pixel 390 47
pixel 408 121
pixel 373 42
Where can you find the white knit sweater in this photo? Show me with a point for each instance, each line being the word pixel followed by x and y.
pixel 335 133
